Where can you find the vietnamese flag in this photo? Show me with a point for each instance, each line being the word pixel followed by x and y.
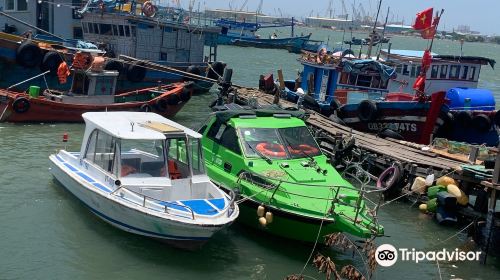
pixel 428 33
pixel 423 20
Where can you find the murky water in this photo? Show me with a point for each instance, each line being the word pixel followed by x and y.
pixel 47 234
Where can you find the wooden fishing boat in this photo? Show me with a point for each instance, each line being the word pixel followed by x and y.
pixel 288 187
pixel 92 91
pixel 145 174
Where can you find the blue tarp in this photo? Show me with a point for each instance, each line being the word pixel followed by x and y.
pixel 360 66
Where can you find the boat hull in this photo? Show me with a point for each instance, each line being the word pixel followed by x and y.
pixel 183 235
pixel 14 73
pixel 43 109
pixel 293 44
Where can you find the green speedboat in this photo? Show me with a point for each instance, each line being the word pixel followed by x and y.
pixel 286 184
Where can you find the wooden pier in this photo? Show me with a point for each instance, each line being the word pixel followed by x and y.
pixel 414 160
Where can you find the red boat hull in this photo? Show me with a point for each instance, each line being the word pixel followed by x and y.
pixel 43 109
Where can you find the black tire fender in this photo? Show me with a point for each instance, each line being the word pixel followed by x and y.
pixel 367 110
pixel 28 54
pixel 21 105
pixel 463 118
pixel 185 95
pixel 50 62
pixel 136 73
pixel 481 123
pixel 113 65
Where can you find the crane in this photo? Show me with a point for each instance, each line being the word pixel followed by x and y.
pixel 259 8
pixel 329 10
pixel 243 6
pixel 344 10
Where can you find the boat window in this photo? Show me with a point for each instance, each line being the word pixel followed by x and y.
pixel 101 150
pixel 413 68
pixel 419 69
pixel 91 27
pixel 122 33
pixel 310 82
pixel 465 72
pixel 230 140
pixel 352 79
pixel 115 30
pixel 134 31
pixel 444 72
pixel 454 71
pixel 142 158
pixel 292 142
pixel 127 31
pixel 375 82
pixel 472 75
pixel 399 69
pixel 196 156
pixel 85 28
pixel 178 167
pixel 344 77
pixel 96 28
pixel 105 29
pixel 406 71
pixel 434 71
pixel 364 81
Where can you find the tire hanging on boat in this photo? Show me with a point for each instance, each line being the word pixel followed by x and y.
pixel 28 54
pixel 216 70
pixel 21 105
pixel 445 130
pixel 481 123
pixel 389 178
pixel 50 62
pixel 192 69
pixel 113 65
pixel 367 110
pixel 335 104
pixel 463 118
pixel 496 119
pixel 386 132
pixel 136 72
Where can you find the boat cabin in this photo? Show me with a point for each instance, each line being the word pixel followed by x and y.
pixel 138 148
pixel 445 72
pixel 149 38
pixel 88 87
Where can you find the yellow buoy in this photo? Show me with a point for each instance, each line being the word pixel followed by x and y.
pixel 260 211
pixel 463 200
pixel 423 208
pixel 445 181
pixel 419 185
pixel 454 190
pixel 262 221
pixel 269 217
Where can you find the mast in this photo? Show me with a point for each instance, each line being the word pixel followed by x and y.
pixel 369 53
pixel 383 32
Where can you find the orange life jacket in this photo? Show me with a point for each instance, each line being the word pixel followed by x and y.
pixel 63 72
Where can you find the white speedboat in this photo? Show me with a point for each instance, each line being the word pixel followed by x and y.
pixel 145 174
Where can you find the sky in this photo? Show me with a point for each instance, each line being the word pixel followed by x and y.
pixel 480 15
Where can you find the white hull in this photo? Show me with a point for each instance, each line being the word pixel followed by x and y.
pixel 135 218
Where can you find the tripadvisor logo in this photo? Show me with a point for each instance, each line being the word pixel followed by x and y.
pixel 387 255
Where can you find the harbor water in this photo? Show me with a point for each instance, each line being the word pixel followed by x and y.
pixel 46 233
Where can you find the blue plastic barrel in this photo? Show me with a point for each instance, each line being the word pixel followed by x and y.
pixel 471 99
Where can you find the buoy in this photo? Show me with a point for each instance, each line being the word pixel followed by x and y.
pixel 419 185
pixel 434 190
pixel 432 205
pixel 429 180
pixel 269 217
pixel 65 137
pixel 445 181
pixel 453 190
pixel 262 221
pixel 423 208
pixel 463 200
pixel 260 211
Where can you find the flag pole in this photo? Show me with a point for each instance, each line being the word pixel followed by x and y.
pixel 439 19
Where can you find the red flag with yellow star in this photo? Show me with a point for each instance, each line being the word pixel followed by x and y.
pixel 423 20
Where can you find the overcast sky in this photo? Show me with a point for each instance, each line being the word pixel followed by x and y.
pixel 480 15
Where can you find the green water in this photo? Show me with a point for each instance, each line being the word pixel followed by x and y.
pixel 47 234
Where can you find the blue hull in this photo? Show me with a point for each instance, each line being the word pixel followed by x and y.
pixel 291 43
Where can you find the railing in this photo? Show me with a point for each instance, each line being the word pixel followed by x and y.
pixel 145 198
pixel 268 184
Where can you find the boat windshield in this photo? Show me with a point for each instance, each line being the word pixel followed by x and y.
pixel 142 158
pixel 184 153
pixel 279 143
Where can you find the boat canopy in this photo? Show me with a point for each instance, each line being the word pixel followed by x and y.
pixel 361 66
pixel 135 125
pixel 466 59
pixel 225 116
